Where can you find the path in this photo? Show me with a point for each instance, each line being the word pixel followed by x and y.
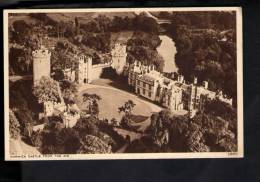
pixel 15 78
pixel 18 147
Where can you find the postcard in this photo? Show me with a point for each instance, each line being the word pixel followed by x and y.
pixel 123 83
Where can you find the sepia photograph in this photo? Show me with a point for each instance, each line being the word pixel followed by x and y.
pixel 115 83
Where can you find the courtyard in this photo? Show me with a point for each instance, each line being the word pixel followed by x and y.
pixel 112 99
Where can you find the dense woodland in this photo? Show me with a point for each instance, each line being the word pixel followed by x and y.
pixel 206 48
pixel 213 130
pixel 201 51
pixel 65 39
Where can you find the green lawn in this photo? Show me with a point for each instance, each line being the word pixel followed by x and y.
pixel 111 100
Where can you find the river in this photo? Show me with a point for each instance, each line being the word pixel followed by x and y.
pixel 168 50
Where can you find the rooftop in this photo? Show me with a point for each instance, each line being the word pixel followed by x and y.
pixel 152 76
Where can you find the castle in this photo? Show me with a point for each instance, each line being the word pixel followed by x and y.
pixel 41 68
pixel 85 73
pixel 173 94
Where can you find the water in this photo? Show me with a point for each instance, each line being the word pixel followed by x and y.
pixel 168 50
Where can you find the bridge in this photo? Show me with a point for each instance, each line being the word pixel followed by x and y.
pixel 159 21
pixel 163 21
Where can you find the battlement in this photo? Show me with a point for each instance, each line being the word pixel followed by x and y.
pixel 83 58
pixel 119 49
pixel 70 120
pixel 41 53
pixel 120 45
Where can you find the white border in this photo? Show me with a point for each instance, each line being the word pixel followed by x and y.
pixel 240 139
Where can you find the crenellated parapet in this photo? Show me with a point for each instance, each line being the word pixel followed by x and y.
pixel 41 53
pixel 41 63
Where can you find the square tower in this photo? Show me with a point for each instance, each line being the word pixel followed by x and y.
pixel 84 72
pixel 119 57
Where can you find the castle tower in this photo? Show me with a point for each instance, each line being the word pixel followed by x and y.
pixel 119 57
pixel 41 64
pixel 84 70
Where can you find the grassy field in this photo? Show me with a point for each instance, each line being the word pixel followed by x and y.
pixel 83 17
pixel 111 100
pixel 26 18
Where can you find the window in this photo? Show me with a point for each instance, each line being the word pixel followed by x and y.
pixel 150 94
pixel 85 60
pixel 144 85
pixel 144 91
pixel 138 82
pixel 138 91
pixel 150 87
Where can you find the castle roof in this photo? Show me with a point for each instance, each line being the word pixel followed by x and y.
pixel 151 76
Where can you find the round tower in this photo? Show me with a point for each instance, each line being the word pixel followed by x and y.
pixel 41 64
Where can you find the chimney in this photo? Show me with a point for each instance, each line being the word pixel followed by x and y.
pixel 180 78
pixel 195 81
pixel 205 84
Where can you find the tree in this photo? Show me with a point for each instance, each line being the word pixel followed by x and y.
pixel 145 23
pixel 37 138
pixel 20 61
pixel 223 110
pixel 158 128
pixel 21 31
pixel 69 90
pixel 200 53
pixel 58 75
pixel 47 90
pixel 91 101
pixel 127 108
pixel 94 145
pixel 69 141
pixel 86 126
pixel 13 125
